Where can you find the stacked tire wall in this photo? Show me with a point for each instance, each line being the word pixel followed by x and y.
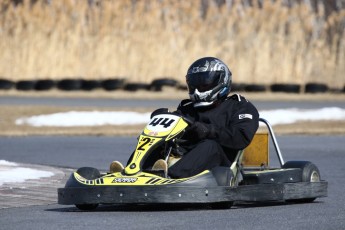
pixel 157 85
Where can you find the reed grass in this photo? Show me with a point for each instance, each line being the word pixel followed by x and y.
pixel 150 39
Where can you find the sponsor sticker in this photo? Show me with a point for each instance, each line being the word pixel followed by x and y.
pixel 153 133
pixel 246 115
pixel 125 180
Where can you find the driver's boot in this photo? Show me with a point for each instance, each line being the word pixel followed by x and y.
pixel 116 166
pixel 161 165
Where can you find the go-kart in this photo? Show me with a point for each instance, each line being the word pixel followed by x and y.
pixel 249 179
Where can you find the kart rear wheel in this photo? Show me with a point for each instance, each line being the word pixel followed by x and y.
pixel 90 174
pixel 310 173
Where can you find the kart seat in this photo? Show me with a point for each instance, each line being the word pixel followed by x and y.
pixel 257 153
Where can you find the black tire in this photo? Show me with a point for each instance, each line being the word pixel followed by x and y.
pixel 286 88
pixel 89 85
pixel 25 85
pixel 238 87
pixel 156 88
pixel 136 86
pixel 310 173
pixel 44 85
pixel 6 84
pixel 164 82
pixel 255 88
pixel 69 84
pixel 158 84
pixel 90 174
pixel 112 84
pixel 316 88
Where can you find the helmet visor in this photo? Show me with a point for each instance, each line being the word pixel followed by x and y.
pixel 204 81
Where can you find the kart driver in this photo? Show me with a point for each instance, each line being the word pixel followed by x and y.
pixel 222 125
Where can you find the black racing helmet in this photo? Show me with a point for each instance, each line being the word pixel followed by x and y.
pixel 208 80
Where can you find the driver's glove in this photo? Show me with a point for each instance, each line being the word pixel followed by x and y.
pixel 198 131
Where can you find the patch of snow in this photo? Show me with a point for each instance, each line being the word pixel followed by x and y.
pixel 97 118
pixel 78 118
pixel 7 163
pixel 289 116
pixel 10 172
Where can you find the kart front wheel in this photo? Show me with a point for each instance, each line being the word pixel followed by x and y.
pixel 90 174
pixel 310 173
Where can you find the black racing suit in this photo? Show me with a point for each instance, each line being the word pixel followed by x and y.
pixel 230 125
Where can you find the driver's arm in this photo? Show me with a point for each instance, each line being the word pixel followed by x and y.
pixel 240 129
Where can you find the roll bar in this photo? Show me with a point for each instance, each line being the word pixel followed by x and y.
pixel 274 140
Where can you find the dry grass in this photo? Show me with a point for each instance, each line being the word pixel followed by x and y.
pixel 161 38
pixel 313 128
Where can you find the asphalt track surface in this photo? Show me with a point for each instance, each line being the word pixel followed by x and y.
pixel 327 152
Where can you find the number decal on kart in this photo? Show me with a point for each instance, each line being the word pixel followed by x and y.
pixel 165 122
pixel 162 123
pixel 146 140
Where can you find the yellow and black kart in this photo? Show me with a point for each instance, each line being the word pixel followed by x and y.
pixel 249 179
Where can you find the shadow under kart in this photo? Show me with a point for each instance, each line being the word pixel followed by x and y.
pixel 249 179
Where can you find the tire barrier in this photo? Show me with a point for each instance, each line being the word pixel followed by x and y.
pixel 286 88
pixel 156 85
pixel 47 84
pixel 6 84
pixel 69 84
pixel 238 87
pixel 255 88
pixel 112 84
pixel 25 85
pixel 315 88
pixel 89 85
pixel 136 86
